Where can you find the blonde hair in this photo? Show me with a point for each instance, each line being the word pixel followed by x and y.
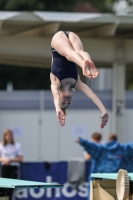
pixel 4 142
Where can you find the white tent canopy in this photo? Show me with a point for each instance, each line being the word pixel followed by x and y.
pixel 25 36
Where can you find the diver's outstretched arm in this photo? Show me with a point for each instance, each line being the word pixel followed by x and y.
pixel 88 92
pixel 55 91
pixel 59 113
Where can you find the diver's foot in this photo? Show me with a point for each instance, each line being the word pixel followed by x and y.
pixel 86 69
pixel 93 70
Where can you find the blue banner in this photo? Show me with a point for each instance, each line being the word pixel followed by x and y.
pixel 51 172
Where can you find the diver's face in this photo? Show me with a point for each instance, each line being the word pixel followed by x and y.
pixel 65 100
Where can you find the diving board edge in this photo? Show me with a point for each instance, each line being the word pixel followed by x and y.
pixel 112 176
pixel 38 186
pixel 21 184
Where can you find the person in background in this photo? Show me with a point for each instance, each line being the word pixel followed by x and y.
pixel 10 157
pixel 96 138
pixel 108 157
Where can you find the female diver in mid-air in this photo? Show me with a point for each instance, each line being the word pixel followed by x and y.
pixel 67 51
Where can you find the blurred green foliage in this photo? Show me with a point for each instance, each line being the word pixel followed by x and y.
pixel 55 5
pixel 129 78
pixel 29 78
pixel 24 78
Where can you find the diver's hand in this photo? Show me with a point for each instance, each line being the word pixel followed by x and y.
pixel 104 119
pixel 61 117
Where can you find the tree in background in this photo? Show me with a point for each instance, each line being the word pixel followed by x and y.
pixel 92 6
pixel 123 6
pixel 130 5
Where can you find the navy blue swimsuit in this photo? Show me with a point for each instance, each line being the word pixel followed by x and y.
pixel 63 68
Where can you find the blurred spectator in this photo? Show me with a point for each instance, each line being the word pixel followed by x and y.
pixel 108 157
pixel 112 137
pixel 96 137
pixel 10 157
pixel 127 163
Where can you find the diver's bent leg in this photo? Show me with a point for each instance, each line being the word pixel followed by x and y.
pixel 63 46
pixel 78 47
